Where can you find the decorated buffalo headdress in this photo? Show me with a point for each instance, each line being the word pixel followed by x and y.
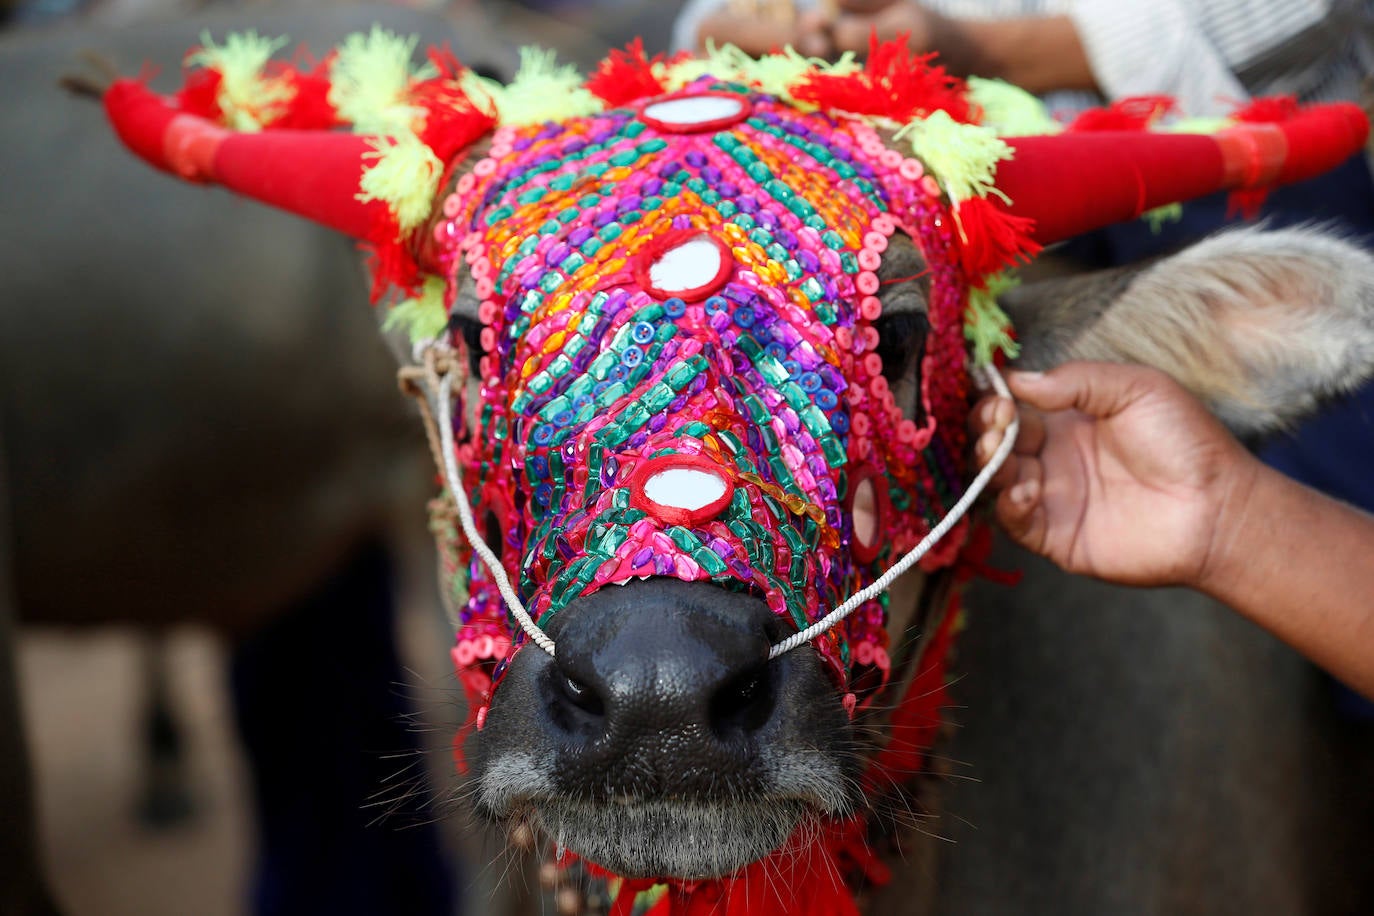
pixel 676 267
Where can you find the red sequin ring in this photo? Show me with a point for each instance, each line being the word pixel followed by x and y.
pixel 680 375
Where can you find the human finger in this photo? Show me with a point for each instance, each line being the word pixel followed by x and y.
pixel 1019 508
pixel 859 6
pixel 813 38
pixel 1096 389
pixel 751 34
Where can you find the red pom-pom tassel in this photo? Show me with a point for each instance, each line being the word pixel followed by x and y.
pixel 894 83
pixel 991 239
pixel 626 76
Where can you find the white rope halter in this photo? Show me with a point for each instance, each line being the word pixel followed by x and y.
pixel 443 410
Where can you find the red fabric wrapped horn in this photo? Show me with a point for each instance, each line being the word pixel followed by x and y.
pixel 1074 182
pixel 320 183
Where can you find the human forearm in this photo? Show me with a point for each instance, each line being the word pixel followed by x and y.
pixel 1301 565
pixel 1039 54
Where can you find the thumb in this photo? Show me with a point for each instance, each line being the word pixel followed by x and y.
pixel 1097 389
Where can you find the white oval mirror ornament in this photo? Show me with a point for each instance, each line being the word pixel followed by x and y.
pixel 685 488
pixel 867 503
pixel 681 489
pixel 694 113
pixel 689 265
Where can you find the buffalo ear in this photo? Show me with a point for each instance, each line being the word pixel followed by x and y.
pixel 1259 324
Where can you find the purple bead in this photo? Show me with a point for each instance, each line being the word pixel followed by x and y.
pixel 651 187
pixel 657 422
pixel 718 322
pixel 768 219
pixel 638 439
pixel 644 555
pixel 808 261
pixel 663 565
pixel 630 203
pixel 669 169
pixel 788 238
pixel 531 279
pixel 728 189
pixel 696 158
pixel 579 235
pixel 682 221
pixel 557 253
pixel 711 174
pixel 522 143
pixel 605 217
pixel 747 203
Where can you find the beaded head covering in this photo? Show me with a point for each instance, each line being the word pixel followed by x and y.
pixel 676 267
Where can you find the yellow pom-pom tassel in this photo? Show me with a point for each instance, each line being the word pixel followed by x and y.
pixel 405 177
pixel 963 157
pixel 247 97
pixel 543 90
pixel 986 326
pixel 774 74
pixel 1009 110
pixel 370 82
pixel 422 318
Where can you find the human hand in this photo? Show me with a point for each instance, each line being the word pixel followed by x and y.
pixel 1117 473
pixel 847 25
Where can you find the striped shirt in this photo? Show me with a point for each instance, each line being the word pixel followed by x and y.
pixel 1208 54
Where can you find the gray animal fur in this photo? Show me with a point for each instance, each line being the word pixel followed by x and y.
pixel 1260 324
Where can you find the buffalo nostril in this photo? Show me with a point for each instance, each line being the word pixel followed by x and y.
pixel 744 703
pixel 580 695
pixel 576 707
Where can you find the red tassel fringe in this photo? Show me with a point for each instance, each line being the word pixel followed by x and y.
pixel 895 83
pixel 1247 202
pixel 626 76
pixel 200 95
pixel 310 108
pixel 1134 113
pixel 991 239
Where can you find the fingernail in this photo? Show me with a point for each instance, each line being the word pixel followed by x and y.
pixel 1024 493
pixel 1018 375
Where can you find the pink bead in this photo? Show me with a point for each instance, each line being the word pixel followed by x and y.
pixel 486 312
pixel 867 282
pixel 930 186
pixel 484 168
pixel 884 224
pixel 871 307
pixel 441 232
pixel 484 287
pixel 890 158
pixel 912 169
pixel 453 205
pixel 481 267
pixel 465 183
pixel 876 241
pixel 870 259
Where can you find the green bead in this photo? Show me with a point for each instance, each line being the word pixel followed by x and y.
pixel 610 232
pixel 572 262
pixel 500 213
pixel 531 196
pixel 832 239
pixel 848 263
pixel 632 129
pixel 568 215
pixel 744 221
pixel 834 452
pixel 727 208
pixel 563 182
pixel 654 145
pixel 550 227
pixel 550 281
pixel 625 157
pixel 591 247
pixel 652 203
